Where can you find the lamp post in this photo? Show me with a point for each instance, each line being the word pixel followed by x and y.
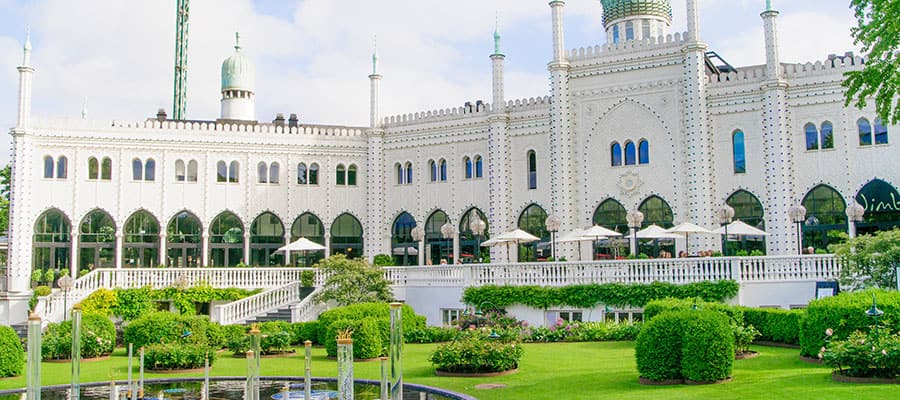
pixel 447 231
pixel 65 284
pixel 874 312
pixel 855 214
pixel 477 226
pixel 418 234
pixel 797 214
pixel 725 214
pixel 552 223
pixel 635 218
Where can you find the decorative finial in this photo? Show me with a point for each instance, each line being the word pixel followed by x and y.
pixel 375 55
pixel 769 5
pixel 84 110
pixel 237 41
pixel 497 34
pixel 28 37
pixel 26 49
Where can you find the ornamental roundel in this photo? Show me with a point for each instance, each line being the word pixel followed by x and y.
pixel 629 183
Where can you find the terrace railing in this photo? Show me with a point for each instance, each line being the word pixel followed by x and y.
pixel 270 300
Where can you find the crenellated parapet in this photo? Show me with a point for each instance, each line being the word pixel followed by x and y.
pixel 833 68
pixel 599 53
pixel 178 128
pixel 468 111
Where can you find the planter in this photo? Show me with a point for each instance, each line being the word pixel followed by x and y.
pixel 664 382
pixel 746 355
pixel 474 374
pixel 837 376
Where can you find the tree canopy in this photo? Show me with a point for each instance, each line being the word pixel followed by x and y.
pixel 878 32
pixel 869 261
pixel 351 281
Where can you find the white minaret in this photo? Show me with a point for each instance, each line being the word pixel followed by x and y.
pixel 25 76
pixel 562 188
pixel 238 102
pixel 378 238
pixel 499 214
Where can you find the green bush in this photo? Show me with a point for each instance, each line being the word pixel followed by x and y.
pixel 430 334
pixel 171 356
pixel 165 327
pixel 743 337
pixel 132 303
pixel 872 355
pixel 707 352
pixel 362 310
pixel 736 314
pixel 775 325
pixel 42 291
pixel 235 338
pixel 308 278
pixel 98 338
pixel 304 331
pixel 844 314
pixel 658 348
pixel 476 355
pixel 12 354
pixel 383 260
pixel 367 341
pixel 102 302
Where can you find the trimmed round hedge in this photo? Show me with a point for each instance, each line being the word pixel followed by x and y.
pixel 173 356
pixel 381 311
pixel 12 354
pixel 844 314
pixel 367 341
pixel 166 327
pixel 658 348
pixel 707 352
pixel 476 355
pixel 98 338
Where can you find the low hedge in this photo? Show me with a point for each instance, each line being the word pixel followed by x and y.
pixel 658 348
pixel 166 327
pixel 844 314
pixel 98 338
pixel 171 356
pixel 367 340
pixel 775 325
pixel 476 355
pixel 275 338
pixel 303 331
pixel 707 351
pixel 430 334
pixel 133 303
pixel 12 354
pixel 656 307
pixel 380 311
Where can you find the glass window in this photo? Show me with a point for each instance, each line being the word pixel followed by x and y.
pixel 645 29
pixel 880 200
pixel 611 214
pixel 347 236
pixel 266 236
pixel 48 167
pixel 221 172
pixel 192 171
pixel 433 167
pixel 532 169
pixel 404 249
pixel 106 169
pixel 479 167
pixel 51 242
pixel 409 173
pixel 865 132
pixel 656 212
pixel 97 241
pixel 437 248
pixel 629 30
pixel 630 153
pixel 643 152
pixel 226 240
pixel 824 213
pixel 533 220
pixel 470 244
pixel 179 171
pixel 301 174
pixel 399 173
pixel 314 174
pixel 615 33
pixel 443 170
pixel 827 135
pixel 468 167
pixel 737 151
pixel 881 132
pixel 183 241
pixel 141 241
pixel 274 172
pixel 448 315
pixel 93 168
pixel 615 153
pixel 351 175
pixel 150 170
pixel 62 167
pixel 309 226
pixel 137 169
pixel 812 137
pixel 341 175
pixel 233 172
pixel 262 173
pixel 748 209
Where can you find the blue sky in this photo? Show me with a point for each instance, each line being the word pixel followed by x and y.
pixel 313 56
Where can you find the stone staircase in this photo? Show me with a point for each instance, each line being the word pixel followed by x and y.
pixel 281 314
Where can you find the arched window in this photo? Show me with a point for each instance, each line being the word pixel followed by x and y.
pixel 629 30
pixel 266 236
pixel 347 236
pixel 226 241
pixel 533 220
pixel 643 152
pixel 479 167
pixel 51 243
pixel 221 172
pixel 274 173
pixel 404 249
pixel 93 168
pixel 62 167
pixel 179 171
pixel 467 162
pixel 443 170
pixel 150 170
pixel 341 175
pixel 262 173
pixel 469 243
pixel 409 173
pixel 314 174
pixel 301 174
pixel 137 169
pixel 827 135
pixel 233 172
pixel 532 169
pixel 400 174
pixel 812 137
pixel 48 167
pixel 881 132
pixel 615 154
pixel 432 166
pixel 611 214
pixel 865 132
pixel 737 152
pixel 645 29
pixel 824 213
pixel 749 210
pixel 351 175
pixel 106 169
pixel 184 241
pixel 437 248
pixel 615 33
pixel 880 200
pixel 309 226
pixel 656 212
pixel 97 241
pixel 630 153
pixel 192 171
pixel 141 247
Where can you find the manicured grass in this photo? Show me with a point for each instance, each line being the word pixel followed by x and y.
pixel 547 371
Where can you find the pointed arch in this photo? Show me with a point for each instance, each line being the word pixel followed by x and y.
pixel 738 152
pixel 106 169
pixel 533 220
pixel 611 214
pixel 141 240
pixel 97 240
pixel 309 226
pixel 812 136
pixel 226 240
pixel 347 236
pixel 93 168
pixel 882 204
pixel 51 241
pixel 404 249
pixel 184 240
pixel 48 167
pixel 437 248
pixel 865 132
pixel 62 167
pixel 615 154
pixel 747 209
pixel 656 212
pixel 824 213
pixel 630 153
pixel 470 243
pixel 266 236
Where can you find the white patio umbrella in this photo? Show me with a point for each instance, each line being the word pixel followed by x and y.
pixel 596 233
pixel 655 232
pixel 686 229
pixel 574 236
pixel 409 251
pixel 516 236
pixel 303 244
pixel 739 228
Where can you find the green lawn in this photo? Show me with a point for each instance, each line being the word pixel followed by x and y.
pixel 547 371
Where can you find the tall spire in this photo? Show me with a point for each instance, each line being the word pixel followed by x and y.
pixel 237 41
pixel 375 56
pixel 26 50
pixel 497 35
pixel 769 5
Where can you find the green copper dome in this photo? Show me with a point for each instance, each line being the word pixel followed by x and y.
pixel 237 70
pixel 618 9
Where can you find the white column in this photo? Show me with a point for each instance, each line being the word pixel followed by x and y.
pixel 327 245
pixel 119 247
pixel 73 254
pixel 499 213
pixel 205 249
pixel 455 247
pixel 562 188
pixel 25 75
pixel 287 254
pixel 693 20
pixel 422 252
pixel 246 246
pixel 632 241
pixel 163 240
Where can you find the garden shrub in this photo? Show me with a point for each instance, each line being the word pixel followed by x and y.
pixel 430 334
pixel 743 337
pixel 844 314
pixel 98 338
pixel 775 325
pixel 169 356
pixel 275 338
pixel 234 338
pixel 12 354
pixel 132 303
pixel 707 352
pixel 102 302
pixel 658 348
pixel 304 331
pixel 362 310
pixel 42 291
pixel 736 314
pixel 367 341
pixel 476 355
pixel 165 327
pixel 872 355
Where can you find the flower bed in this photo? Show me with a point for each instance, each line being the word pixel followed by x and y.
pixel 875 354
pixel 475 354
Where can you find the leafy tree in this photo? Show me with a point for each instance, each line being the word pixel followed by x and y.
pixel 384 260
pixel 352 281
pixel 879 34
pixel 4 197
pixel 869 260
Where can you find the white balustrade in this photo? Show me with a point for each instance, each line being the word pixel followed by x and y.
pixel 260 303
pixel 307 309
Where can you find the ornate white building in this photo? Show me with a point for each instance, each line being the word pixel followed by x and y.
pixel 650 121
